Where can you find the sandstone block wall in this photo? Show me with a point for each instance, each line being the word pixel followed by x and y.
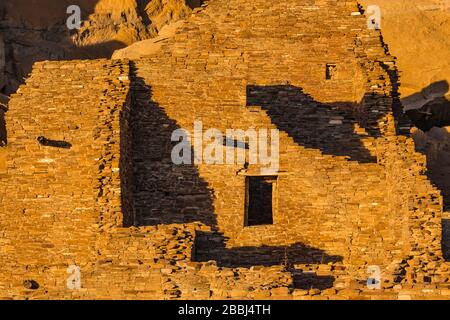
pixel 350 191
pixel 271 67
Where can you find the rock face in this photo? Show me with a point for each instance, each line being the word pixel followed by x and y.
pixel 418 35
pixel 107 25
pixel 423 56
pixel 150 46
pixel 128 21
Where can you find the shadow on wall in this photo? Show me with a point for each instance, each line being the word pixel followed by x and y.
pixel 266 255
pixel 97 51
pixel 194 3
pixel 211 246
pixel 446 239
pixel 3 132
pixel 327 127
pixel 165 193
pixel 432 111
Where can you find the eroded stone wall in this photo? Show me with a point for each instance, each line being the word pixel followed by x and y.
pixel 73 211
pixel 350 192
pixel 54 219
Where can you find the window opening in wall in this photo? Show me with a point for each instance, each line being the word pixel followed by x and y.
pixel 259 200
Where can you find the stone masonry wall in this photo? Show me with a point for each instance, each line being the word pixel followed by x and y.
pixel 270 66
pixel 71 211
pixel 350 192
pixel 52 195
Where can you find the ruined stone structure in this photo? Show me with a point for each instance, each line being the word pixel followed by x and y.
pixel 91 183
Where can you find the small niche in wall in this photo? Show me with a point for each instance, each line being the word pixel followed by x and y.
pixel 331 71
pixel 54 143
pixel 259 201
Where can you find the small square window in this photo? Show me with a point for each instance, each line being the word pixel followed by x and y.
pixel 331 71
pixel 259 200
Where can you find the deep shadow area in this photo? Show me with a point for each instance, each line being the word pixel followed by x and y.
pixel 3 133
pixel 164 193
pixel 446 239
pixel 211 246
pixel 194 3
pixel 327 127
pixel 437 151
pixel 141 4
pixel 403 123
pixel 307 281
pixel 90 52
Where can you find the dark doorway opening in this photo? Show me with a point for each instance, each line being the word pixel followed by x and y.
pixel 259 201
